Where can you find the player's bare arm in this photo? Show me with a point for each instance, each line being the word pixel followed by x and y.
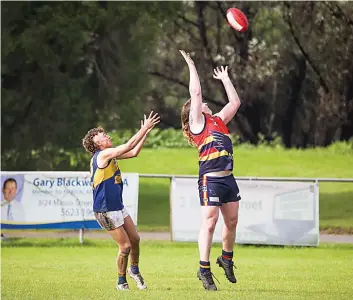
pixel 196 119
pixel 136 151
pixel 107 154
pixel 229 111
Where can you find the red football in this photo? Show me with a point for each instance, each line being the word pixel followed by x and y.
pixel 237 19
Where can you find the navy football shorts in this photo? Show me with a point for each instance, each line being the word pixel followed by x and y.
pixel 215 191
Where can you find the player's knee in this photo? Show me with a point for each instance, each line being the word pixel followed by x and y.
pixel 125 248
pixel 231 223
pixel 210 224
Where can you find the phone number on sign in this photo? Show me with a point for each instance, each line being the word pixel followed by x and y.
pixel 74 212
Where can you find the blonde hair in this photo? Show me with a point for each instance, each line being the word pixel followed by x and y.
pixel 185 112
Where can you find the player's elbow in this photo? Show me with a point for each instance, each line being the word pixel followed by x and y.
pixel 236 103
pixel 134 154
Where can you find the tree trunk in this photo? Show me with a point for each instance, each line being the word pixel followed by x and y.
pixel 294 99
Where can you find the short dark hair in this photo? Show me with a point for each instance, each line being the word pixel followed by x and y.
pixel 9 180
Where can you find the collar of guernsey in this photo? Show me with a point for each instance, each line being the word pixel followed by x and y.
pixel 214 146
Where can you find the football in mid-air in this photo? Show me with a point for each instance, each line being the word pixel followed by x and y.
pixel 237 20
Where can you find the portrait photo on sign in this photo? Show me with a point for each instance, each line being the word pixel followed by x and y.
pixel 11 197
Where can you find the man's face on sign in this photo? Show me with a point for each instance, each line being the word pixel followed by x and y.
pixel 9 190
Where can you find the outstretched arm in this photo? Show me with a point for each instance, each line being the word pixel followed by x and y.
pixel 135 152
pixel 196 120
pixel 107 154
pixel 229 111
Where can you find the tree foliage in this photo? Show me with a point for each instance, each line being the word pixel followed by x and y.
pixel 292 68
pixel 69 66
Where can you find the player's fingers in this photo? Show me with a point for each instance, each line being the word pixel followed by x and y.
pixel 157 118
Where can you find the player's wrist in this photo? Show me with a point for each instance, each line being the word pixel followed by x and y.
pixel 225 78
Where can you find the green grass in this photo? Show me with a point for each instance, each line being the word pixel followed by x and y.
pixel 336 199
pixel 63 269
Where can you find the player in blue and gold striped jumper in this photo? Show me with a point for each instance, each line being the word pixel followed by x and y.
pixel 108 205
pixel 218 189
pixel 107 187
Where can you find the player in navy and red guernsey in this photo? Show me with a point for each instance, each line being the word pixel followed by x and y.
pixel 108 203
pixel 218 189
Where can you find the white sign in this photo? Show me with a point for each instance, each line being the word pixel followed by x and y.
pixel 270 212
pixel 56 197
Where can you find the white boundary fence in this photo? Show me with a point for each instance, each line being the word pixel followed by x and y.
pixel 273 210
pixel 303 179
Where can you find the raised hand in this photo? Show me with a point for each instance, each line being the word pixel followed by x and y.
pixel 221 73
pixel 151 121
pixel 187 57
pixel 148 130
